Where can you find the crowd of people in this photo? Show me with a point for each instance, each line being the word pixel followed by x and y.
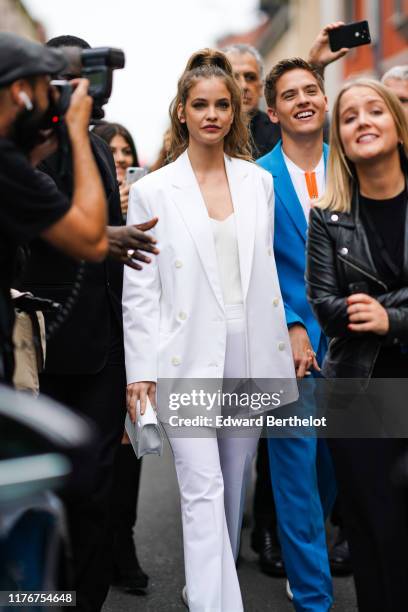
pixel 262 246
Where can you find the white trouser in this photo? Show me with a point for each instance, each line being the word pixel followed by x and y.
pixel 212 473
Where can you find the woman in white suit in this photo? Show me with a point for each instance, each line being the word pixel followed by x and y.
pixel 208 307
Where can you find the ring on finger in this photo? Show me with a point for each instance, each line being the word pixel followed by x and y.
pixel 130 253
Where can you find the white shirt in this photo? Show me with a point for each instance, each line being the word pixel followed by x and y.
pixel 226 249
pixel 298 178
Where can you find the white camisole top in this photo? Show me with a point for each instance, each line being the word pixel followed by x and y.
pixel 226 248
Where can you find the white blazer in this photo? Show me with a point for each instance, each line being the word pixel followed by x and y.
pixel 173 310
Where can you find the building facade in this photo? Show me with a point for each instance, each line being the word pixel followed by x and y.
pixel 14 17
pixel 388 21
pixel 290 27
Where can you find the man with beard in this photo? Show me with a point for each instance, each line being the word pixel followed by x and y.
pixel 85 360
pixel 31 204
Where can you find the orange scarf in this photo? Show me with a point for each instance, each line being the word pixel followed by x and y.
pixel 311 185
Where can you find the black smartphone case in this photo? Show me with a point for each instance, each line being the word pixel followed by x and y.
pixel 350 35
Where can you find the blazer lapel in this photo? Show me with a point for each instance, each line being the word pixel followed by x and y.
pixel 244 201
pixel 187 197
pixel 325 156
pixel 285 191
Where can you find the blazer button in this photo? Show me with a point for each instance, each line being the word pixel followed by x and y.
pixel 281 346
pixel 334 217
pixel 275 301
pixel 182 315
pixel 344 251
pixel 176 361
pixel 178 263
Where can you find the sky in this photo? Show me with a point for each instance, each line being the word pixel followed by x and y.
pixel 157 36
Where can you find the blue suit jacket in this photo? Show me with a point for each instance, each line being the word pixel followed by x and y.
pixel 290 244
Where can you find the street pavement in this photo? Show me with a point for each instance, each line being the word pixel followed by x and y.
pixel 160 552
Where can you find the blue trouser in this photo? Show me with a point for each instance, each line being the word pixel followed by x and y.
pixel 304 490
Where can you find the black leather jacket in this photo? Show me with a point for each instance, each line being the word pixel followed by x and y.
pixel 339 262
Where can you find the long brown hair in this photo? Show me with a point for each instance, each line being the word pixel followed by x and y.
pixel 340 170
pixel 206 64
pixel 107 131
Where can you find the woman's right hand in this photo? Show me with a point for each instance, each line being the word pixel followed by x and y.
pixel 140 391
pixel 366 314
pixel 124 197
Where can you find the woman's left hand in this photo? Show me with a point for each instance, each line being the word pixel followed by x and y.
pixel 366 314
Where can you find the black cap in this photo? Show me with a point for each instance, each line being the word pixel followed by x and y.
pixel 20 58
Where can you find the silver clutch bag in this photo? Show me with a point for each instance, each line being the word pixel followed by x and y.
pixel 145 435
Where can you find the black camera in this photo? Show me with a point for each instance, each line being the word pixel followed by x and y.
pixel 96 65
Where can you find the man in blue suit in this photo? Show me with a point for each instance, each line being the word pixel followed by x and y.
pixel 303 492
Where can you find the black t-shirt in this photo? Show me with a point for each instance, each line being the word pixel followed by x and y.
pixel 29 204
pixel 384 222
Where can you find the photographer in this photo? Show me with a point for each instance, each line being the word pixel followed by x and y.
pixel 85 361
pixel 31 205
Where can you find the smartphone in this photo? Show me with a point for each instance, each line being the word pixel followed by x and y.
pixel 359 287
pixel 350 35
pixel 133 174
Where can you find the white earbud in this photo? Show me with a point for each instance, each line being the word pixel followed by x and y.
pixel 24 97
